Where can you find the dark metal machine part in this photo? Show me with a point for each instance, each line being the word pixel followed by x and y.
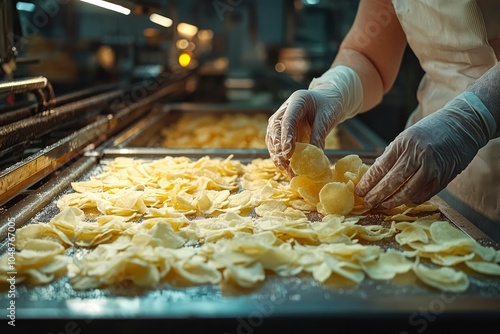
pixel 103 123
pixel 292 304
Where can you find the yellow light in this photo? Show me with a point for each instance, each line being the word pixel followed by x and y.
pixel 187 29
pixel 184 59
pixel 108 5
pixel 161 20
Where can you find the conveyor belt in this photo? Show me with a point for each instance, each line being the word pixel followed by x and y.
pixel 292 304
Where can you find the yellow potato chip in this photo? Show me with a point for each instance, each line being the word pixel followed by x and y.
pixel 443 278
pixel 309 160
pixel 348 168
pixel 336 198
pixel 245 276
pixel 450 260
pixel 488 268
pixel 210 220
pixel 270 206
pixel 410 233
pixel 346 269
pixel 443 232
pixel 387 266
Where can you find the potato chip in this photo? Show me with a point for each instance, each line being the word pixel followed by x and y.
pixel 348 168
pixel 307 189
pixel 309 160
pixel 302 205
pixel 346 269
pixel 245 276
pixel 211 220
pixel 40 232
pixel 140 272
pixel 443 232
pixel 336 198
pixel 196 271
pixel 387 266
pixel 488 268
pixel 450 260
pixel 410 233
pixel 270 206
pixel 443 278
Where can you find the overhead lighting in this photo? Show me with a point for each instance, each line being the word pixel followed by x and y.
pixel 182 43
pixel 25 6
pixel 187 29
pixel 205 34
pixel 108 5
pixel 161 20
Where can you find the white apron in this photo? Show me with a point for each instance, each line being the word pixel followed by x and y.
pixel 450 39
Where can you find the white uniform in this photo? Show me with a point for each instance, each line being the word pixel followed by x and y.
pixel 456 42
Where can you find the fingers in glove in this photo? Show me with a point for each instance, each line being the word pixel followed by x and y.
pixel 319 132
pixel 418 189
pixel 324 122
pixel 377 171
pixel 273 138
pixel 293 117
pixel 385 177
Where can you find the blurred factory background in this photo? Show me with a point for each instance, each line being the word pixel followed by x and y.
pixel 255 52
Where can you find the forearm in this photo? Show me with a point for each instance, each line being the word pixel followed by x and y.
pixel 373 48
pixel 373 87
pixel 487 89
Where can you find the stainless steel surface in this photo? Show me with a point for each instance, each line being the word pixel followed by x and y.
pixel 23 85
pixel 34 127
pixel 397 305
pixel 27 109
pixel 39 86
pixel 23 210
pixel 23 174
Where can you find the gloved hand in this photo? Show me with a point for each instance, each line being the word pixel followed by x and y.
pixel 425 157
pixel 309 115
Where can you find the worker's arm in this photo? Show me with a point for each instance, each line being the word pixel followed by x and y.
pixel 373 48
pixel 427 156
pixel 364 69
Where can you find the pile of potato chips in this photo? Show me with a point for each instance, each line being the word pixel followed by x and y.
pixel 219 221
pixel 227 130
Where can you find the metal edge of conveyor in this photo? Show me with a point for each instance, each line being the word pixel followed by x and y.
pixel 119 308
pixel 21 212
pixel 25 173
pixel 464 224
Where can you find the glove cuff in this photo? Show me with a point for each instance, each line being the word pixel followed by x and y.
pixel 346 83
pixel 484 115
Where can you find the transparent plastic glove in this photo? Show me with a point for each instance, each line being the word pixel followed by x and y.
pixel 424 158
pixel 309 115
